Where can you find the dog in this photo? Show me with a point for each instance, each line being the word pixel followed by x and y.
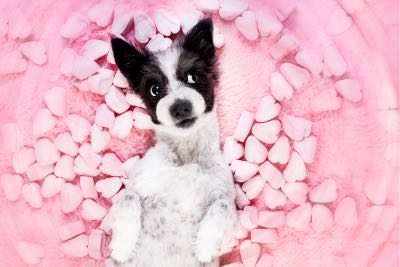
pixel 178 209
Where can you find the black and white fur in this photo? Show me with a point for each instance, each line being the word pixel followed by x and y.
pixel 178 209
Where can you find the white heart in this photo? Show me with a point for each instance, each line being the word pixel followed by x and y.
pixel 122 125
pixel 102 13
pixel 268 24
pixel 99 138
pixel 158 43
pixel 12 62
pixel 56 100
pixel 350 89
pixel 43 122
pixel 247 25
pixel 34 51
pixel 189 19
pixel 74 27
pixel 144 28
pixel 325 192
pixel 51 186
pixel 167 22
pixel 95 49
pixel 280 151
pixel 101 82
pixel 295 169
pixel 267 110
pixel 92 211
pixel 230 9
pixel 109 187
pixel 267 132
pixel 295 127
pixel 280 87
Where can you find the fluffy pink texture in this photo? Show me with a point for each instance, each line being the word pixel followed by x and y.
pixel 354 143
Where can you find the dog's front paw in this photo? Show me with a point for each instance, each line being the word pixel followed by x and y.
pixel 207 249
pixel 121 250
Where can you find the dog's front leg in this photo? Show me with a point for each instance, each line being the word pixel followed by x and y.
pixel 216 230
pixel 126 224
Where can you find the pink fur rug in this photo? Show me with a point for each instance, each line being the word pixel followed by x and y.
pixel 357 144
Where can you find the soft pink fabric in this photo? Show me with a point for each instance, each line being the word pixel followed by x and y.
pixel 354 142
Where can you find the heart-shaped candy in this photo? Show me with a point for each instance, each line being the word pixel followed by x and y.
pixel 56 100
pixel 306 148
pixel 76 247
pixel 94 49
pixel 255 151
pixel 189 19
pixel 325 192
pixel 87 187
pixel 43 122
pixel 70 230
pixel 272 175
pixel 334 61
pixel 321 218
pixel 120 80
pixel 243 126
pixel 82 167
pixel 101 82
pixel 295 127
pixel 271 219
pixel 268 109
pixel 92 211
pixel 232 149
pixel 122 125
pixel 249 217
pixel 12 63
pixel 18 26
pixel 129 165
pixel 280 87
pixel 78 126
pixel 74 27
pixel 346 213
pixel 22 159
pixel 32 196
pixel 34 51
pixel 115 100
pixel 158 43
pixel 84 67
pixel 377 189
pixel 45 151
pixel 326 100
pixel 102 13
pixel 92 158
pixel 299 218
pixel 282 47
pixel 167 22
pixel 208 6
pixel 144 28
pixel 111 165
pixel 134 100
pixel 64 143
pixel 297 76
pixel 96 243
pixel 65 168
pixel 249 253
pixel 30 253
pixel 273 198
pixel 71 197
pixel 104 116
pixel 264 236
pixel 247 25
pixel 295 169
pixel 123 20
pixel 310 60
pixel 141 119
pixel 253 186
pixel 37 172
pixel 267 132
pixel 338 22
pixel 350 89
pixel 243 170
pixel 230 9
pixel 12 185
pixel 296 192
pixel 241 199
pixel 99 138
pixel 268 24
pixel 68 57
pixel 280 151
pixel 108 187
pixel 51 186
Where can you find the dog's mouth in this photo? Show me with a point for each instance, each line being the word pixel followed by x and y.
pixel 186 123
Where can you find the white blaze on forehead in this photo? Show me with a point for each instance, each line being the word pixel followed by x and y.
pixel 168 62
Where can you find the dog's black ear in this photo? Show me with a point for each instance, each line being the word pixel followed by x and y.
pixel 128 58
pixel 200 40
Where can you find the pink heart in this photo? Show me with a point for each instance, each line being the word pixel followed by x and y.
pixel 129 165
pixel 189 19
pixel 267 132
pixel 346 213
pixel 37 172
pixel 84 67
pixel 310 60
pixel 232 149
pixel 76 247
pixel 18 26
pixel 280 151
pixel 297 76
pixel 243 126
pixel 167 22
pixel 111 165
pixel 306 148
pixel 68 57
pixel 241 199
pixel 32 196
pixel 115 100
pixel 134 100
pixel 78 126
pixel 142 119
pixel 82 167
pixel 253 187
pixel 280 87
pixel 22 159
pixel 208 6
pixel 101 82
pixel 71 197
pixel 45 152
pixel 43 122
pixel 92 211
pixel 12 63
pixel 30 253
pixel 104 116
pixel 65 168
pixel 296 192
pixel 99 138
pixel 299 218
pixel 87 187
pixel 64 143
pixel 144 28
pixel 123 20
pixel 108 187
pixel 247 25
pixel 249 217
pixel 249 253
pixel 92 158
pixel 334 61
pixel 70 230
pixel 264 236
pixel 218 38
pixel 243 170
pixel 255 151
pixel 268 109
pixel 338 22
pixel 327 100
pixel 295 127
pixel 325 192
pixel 56 100
pixel 268 24
pixel 110 57
pixel 321 218
pixel 158 43
pixel 34 51
pixel 272 175
pixel 94 49
pixel 51 186
pixel 120 81
pixel 271 219
pixel 96 244
pixel 350 89
pixel 102 13
pixel 230 9
pixel 295 169
pixel 377 189
pixel 74 27
pixel 273 198
pixel 12 185
pixel 122 125
pixel 240 231
pixel 282 47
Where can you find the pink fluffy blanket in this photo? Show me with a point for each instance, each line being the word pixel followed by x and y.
pixel 357 140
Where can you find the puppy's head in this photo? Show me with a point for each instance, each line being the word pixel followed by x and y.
pixel 176 85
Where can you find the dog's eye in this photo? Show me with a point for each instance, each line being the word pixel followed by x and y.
pixel 192 78
pixel 155 89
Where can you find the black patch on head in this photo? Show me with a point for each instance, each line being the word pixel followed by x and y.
pixel 198 58
pixel 142 71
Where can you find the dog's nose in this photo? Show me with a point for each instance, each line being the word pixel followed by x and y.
pixel 181 110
